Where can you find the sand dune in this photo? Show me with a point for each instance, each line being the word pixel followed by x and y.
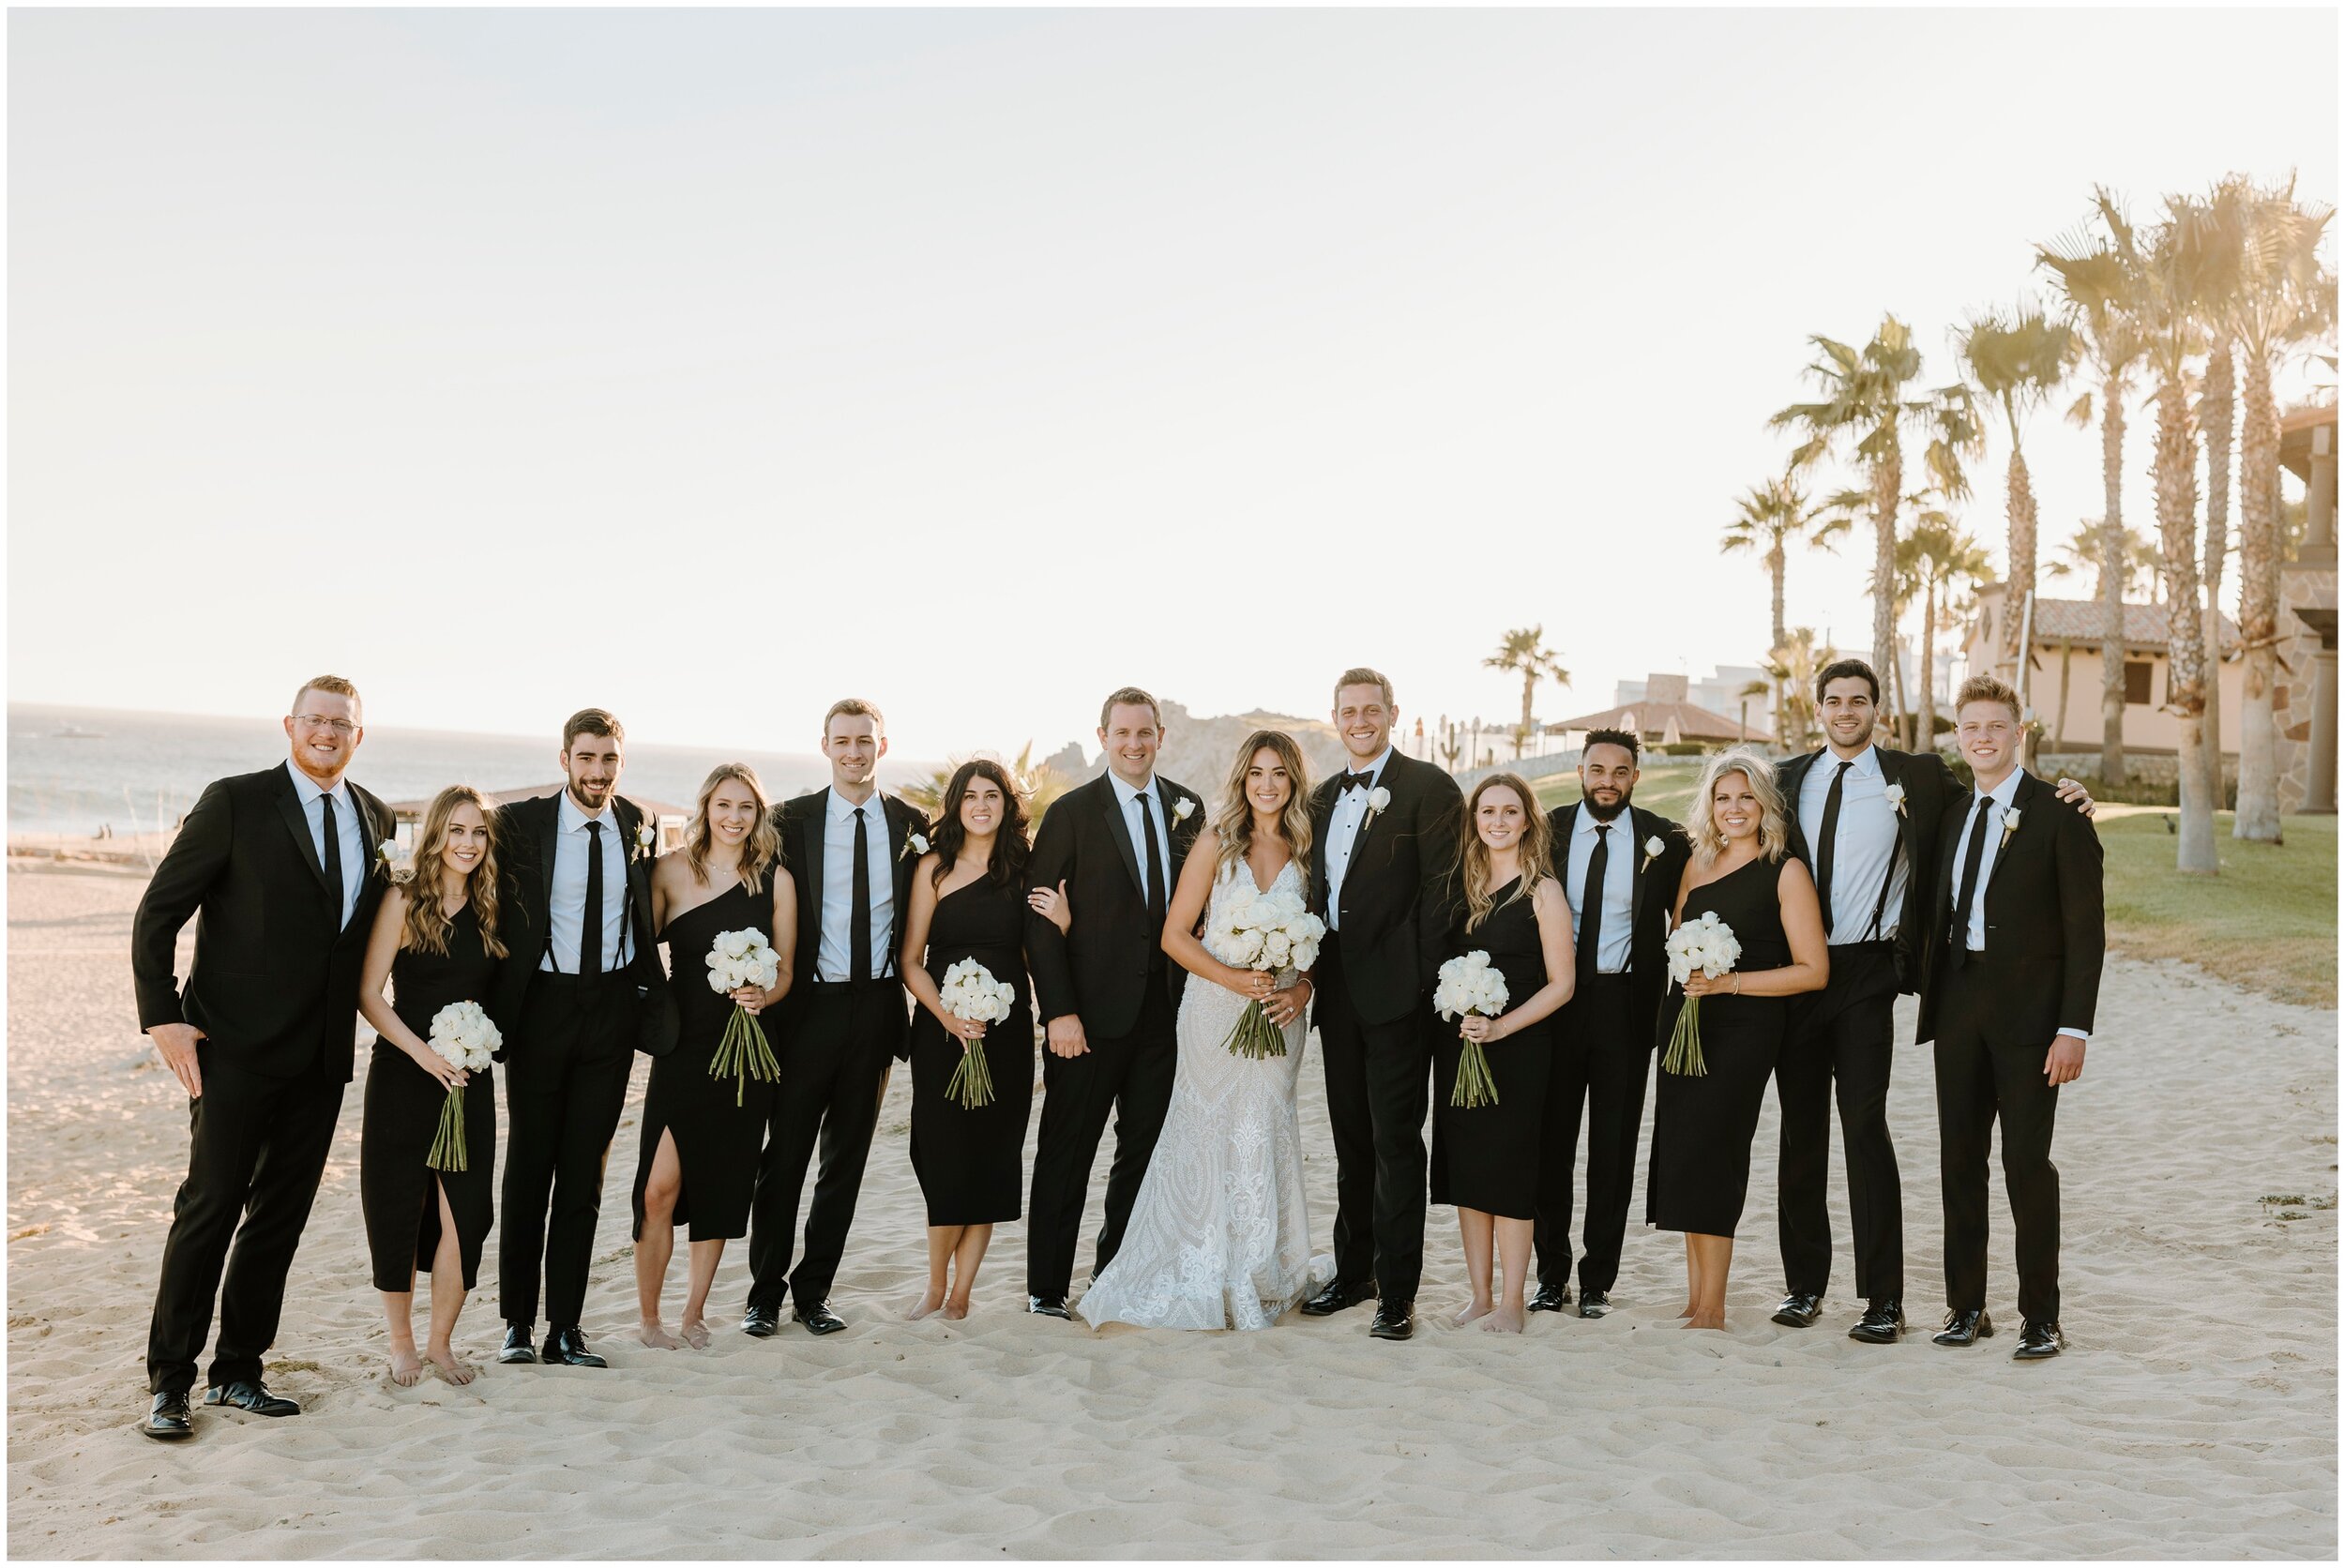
pixel 2196 1414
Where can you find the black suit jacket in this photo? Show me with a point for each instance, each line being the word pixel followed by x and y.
pixel 1099 969
pixel 526 834
pixel 802 821
pixel 1398 889
pixel 275 983
pixel 2045 929
pixel 1654 888
pixel 1929 784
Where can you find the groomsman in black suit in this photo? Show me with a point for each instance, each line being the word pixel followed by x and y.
pixel 1384 853
pixel 577 884
pixel 850 852
pixel 1108 994
pixel 1619 864
pixel 2008 998
pixel 1864 820
pixel 281 870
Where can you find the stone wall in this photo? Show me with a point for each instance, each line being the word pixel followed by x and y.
pixel 2304 585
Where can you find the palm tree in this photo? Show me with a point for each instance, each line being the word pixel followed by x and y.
pixel 2096 286
pixel 1938 561
pixel 2284 295
pixel 1768 518
pixel 1865 407
pixel 1742 706
pixel 2083 552
pixel 2019 361
pixel 1794 664
pixel 1522 651
pixel 1038 782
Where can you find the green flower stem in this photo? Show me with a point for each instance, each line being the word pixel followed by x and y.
pixel 971 1083
pixel 448 1144
pixel 1684 1057
pixel 1475 1085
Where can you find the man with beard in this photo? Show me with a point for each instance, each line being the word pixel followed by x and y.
pixel 1620 865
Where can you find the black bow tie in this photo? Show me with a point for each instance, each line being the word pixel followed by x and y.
pixel 1356 781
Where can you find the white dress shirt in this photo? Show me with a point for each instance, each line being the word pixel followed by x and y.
pixel 1998 800
pixel 565 914
pixel 1864 850
pixel 350 833
pixel 835 950
pixel 1621 855
pixel 1136 800
pixel 1343 824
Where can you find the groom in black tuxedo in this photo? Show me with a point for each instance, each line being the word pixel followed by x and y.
pixel 1109 995
pixel 282 872
pixel 1383 850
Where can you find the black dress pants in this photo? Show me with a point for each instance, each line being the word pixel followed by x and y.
pixel 833 1060
pixel 1987 1074
pixel 565 1085
pixel 1839 1046
pixel 1379 1088
pixel 1603 1060
pixel 1130 1074
pixel 257 1147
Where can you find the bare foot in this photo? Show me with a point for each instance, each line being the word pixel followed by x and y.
pixel 1504 1320
pixel 1469 1312
pixel 406 1368
pixel 1689 1310
pixel 953 1312
pixel 925 1306
pixel 1706 1319
pixel 695 1333
pixel 451 1369
pixel 656 1337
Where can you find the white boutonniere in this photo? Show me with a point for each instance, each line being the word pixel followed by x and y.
pixel 1895 795
pixel 1653 848
pixel 2010 824
pixel 1184 808
pixel 645 836
pixel 1378 799
pixel 914 843
pixel 387 853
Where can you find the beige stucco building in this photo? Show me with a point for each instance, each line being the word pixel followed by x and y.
pixel 2067 656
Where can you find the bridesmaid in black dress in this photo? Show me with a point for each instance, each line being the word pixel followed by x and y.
pixel 1702 1125
pixel 1487 1157
pixel 969 900
pixel 698 1163
pixel 435 940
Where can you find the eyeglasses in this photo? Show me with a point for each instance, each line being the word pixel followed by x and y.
pixel 319 721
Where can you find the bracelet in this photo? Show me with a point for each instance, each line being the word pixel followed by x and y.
pixel 1738 981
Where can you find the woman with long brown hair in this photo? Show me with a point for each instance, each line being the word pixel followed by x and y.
pixel 436 940
pixel 698 1165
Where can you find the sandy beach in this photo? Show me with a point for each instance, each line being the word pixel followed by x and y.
pixel 2194 1416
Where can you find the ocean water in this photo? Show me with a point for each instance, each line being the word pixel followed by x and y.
pixel 136 771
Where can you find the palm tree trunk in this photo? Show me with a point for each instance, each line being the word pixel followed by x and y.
pixel 1522 736
pixel 2019 506
pixel 2060 730
pixel 1889 481
pixel 1775 573
pixel 1925 739
pixel 2258 818
pixel 2112 583
pixel 2175 468
pixel 2215 424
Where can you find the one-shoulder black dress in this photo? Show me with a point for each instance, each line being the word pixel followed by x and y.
pixel 397 1191
pixel 1702 1126
pixel 715 1139
pixel 1488 1157
pixel 969 1160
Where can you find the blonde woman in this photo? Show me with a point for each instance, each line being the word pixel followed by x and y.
pixel 435 940
pixel 701 1133
pixel 1702 1124
pixel 1485 1158
pixel 1219 1237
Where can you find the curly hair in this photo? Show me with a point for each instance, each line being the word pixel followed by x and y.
pixel 425 928
pixel 1011 843
pixel 1233 820
pixel 1775 830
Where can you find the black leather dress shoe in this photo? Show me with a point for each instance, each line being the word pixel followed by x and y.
pixel 1595 1303
pixel 1799 1310
pixel 1965 1328
pixel 2038 1340
pixel 819 1319
pixel 1882 1322
pixel 168 1419
pixel 1549 1298
pixel 568 1348
pixel 1394 1320
pixel 251 1395
pixel 1049 1306
pixel 1339 1296
pixel 517 1349
pixel 759 1322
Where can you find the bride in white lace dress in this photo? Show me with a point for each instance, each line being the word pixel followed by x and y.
pixel 1219 1237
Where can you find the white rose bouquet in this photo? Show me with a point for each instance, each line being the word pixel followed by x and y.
pixel 1709 945
pixel 738 958
pixel 462 1036
pixel 1274 931
pixel 970 992
pixel 1469 984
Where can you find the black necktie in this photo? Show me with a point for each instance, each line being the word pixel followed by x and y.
pixel 1151 881
pixel 590 916
pixel 332 858
pixel 859 920
pixel 1829 839
pixel 1592 900
pixel 1969 883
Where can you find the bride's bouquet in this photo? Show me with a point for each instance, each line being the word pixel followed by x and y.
pixel 1469 984
pixel 462 1036
pixel 738 958
pixel 1709 945
pixel 1275 931
pixel 970 992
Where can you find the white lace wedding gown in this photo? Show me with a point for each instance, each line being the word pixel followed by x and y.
pixel 1219 1237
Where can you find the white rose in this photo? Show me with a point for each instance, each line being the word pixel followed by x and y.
pixel 1183 808
pixel 1653 847
pixel 2010 819
pixel 919 843
pixel 1895 795
pixel 644 834
pixel 1378 799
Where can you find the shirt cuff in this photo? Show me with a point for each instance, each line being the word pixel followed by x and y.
pixel 2076 1033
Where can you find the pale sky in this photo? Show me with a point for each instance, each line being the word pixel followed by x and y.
pixel 707 365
